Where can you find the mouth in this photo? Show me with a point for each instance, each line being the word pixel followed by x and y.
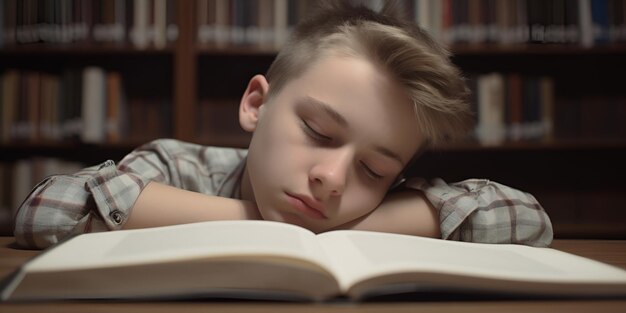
pixel 307 206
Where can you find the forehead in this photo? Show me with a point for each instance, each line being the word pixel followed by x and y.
pixel 376 108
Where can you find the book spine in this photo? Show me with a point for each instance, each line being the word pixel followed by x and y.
pixel 514 107
pixel 93 105
pixel 10 87
pixel 203 26
pixel 600 21
pixel 280 22
pixel 139 33
pixel 172 26
pixel 265 23
pixel 491 129
pixel 160 24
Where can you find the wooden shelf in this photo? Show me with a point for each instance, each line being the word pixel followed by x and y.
pixel 536 49
pixel 236 50
pixel 42 49
pixel 575 179
pixel 456 49
pixel 538 145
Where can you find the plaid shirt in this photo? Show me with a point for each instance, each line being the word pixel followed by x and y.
pixel 99 198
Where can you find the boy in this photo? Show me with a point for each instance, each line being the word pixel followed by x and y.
pixel 344 109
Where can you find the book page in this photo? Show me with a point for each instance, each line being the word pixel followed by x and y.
pixel 359 255
pixel 171 243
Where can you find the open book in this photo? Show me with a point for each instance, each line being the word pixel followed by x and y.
pixel 270 260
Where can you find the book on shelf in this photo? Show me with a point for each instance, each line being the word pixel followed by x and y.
pixel 93 105
pixel 271 260
pixel 264 22
pixel 584 22
pixel 144 23
pixel 490 94
pixel 90 105
pixel 513 107
pixel 141 23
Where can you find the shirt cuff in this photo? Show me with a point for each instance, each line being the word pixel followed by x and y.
pixel 114 193
pixel 479 210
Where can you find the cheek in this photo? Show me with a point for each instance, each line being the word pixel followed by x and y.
pixel 275 151
pixel 360 200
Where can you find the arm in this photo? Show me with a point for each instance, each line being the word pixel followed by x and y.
pixel 103 197
pixel 404 212
pixel 65 205
pixel 154 207
pixel 480 210
pixel 475 210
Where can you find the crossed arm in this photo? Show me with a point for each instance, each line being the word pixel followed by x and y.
pixel 109 197
pixel 405 212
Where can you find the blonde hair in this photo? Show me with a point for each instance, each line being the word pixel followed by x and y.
pixel 407 53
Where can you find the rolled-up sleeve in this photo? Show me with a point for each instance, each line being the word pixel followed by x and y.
pixel 97 198
pixel 480 210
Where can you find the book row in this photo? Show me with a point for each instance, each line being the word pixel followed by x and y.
pixel 18 178
pixel 511 107
pixel 88 105
pixel 142 23
pixel 585 22
pixel 91 105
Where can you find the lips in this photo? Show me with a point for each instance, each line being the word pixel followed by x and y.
pixel 307 205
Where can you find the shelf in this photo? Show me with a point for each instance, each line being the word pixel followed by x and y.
pixel 456 49
pixel 89 153
pixel 236 50
pixel 536 49
pixel 37 50
pixel 576 180
pixel 538 145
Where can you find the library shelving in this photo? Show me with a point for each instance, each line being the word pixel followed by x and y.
pixel 565 145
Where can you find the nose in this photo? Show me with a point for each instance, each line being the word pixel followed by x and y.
pixel 331 173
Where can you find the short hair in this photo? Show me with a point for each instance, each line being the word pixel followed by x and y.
pixel 434 84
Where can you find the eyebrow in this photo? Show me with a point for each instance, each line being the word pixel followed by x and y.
pixel 337 117
pixel 326 108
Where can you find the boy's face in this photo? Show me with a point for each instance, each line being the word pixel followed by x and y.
pixel 329 145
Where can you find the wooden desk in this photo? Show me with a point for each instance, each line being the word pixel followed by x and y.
pixel 608 251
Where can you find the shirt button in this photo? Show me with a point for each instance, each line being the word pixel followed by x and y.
pixel 107 163
pixel 116 216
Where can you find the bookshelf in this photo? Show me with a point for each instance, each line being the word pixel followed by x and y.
pixel 573 170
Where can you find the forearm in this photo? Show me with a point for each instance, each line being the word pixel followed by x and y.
pixel 403 212
pixel 480 210
pixel 160 205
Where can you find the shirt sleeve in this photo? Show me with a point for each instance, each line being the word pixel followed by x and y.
pixel 479 210
pixel 97 198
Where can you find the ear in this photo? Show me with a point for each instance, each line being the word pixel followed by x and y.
pixel 251 102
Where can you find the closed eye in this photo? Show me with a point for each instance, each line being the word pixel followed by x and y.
pixel 315 135
pixel 371 173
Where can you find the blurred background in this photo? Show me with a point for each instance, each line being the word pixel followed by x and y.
pixel 83 81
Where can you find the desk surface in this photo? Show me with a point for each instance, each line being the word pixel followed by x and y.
pixel 609 251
